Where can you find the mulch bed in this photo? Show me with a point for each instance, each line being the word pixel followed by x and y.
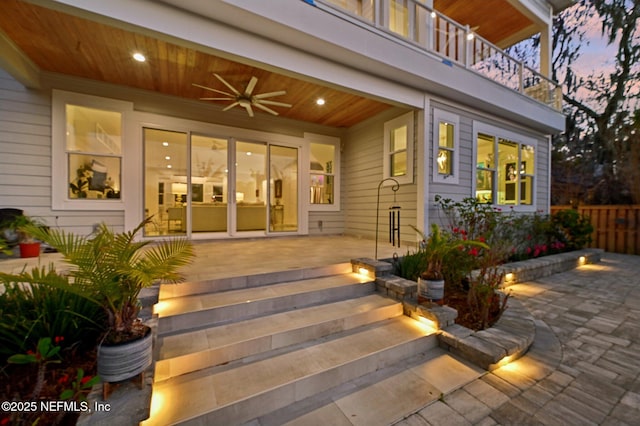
pixel 17 383
pixel 457 299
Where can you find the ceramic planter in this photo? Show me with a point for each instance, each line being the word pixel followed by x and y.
pixel 430 290
pixel 124 360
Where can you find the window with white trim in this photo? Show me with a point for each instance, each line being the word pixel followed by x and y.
pixel 505 168
pixel 324 172
pixel 87 152
pixel 398 149
pixel 445 147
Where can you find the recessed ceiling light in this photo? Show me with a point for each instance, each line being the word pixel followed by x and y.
pixel 165 143
pixel 249 153
pixel 169 166
pixel 139 57
pixel 167 158
pixel 320 101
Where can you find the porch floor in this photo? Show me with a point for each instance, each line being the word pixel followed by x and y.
pixel 228 258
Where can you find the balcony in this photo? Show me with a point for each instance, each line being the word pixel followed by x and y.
pixel 427 30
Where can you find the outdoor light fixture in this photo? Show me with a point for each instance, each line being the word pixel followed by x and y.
pixel 509 277
pixel 139 57
pixel 363 271
pixel 506 363
pixel 582 260
pixel 426 322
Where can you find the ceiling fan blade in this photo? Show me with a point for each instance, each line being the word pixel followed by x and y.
pixel 217 99
pixel 264 108
pixel 231 106
pixel 249 109
pixel 213 90
pixel 264 102
pixel 270 94
pixel 233 89
pixel 250 86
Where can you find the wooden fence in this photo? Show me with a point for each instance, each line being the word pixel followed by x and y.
pixel 615 228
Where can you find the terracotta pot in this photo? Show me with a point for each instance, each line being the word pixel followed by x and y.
pixel 29 249
pixel 125 360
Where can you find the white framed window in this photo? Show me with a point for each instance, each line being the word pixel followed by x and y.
pixel 324 172
pixel 398 149
pixel 446 146
pixel 506 168
pixel 87 170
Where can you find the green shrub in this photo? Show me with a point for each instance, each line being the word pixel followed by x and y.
pixel 411 265
pixel 572 228
pixel 32 312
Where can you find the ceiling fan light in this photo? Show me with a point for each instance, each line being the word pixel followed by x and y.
pixel 320 101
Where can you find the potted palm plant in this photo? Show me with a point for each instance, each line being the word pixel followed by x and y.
pixel 436 247
pixel 111 269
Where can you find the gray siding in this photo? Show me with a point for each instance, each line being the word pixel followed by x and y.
pixel 25 159
pixel 362 172
pixel 332 223
pixel 467 165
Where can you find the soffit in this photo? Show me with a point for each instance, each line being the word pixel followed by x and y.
pixel 61 43
pixel 494 20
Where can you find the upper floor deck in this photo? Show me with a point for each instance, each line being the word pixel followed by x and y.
pixel 428 30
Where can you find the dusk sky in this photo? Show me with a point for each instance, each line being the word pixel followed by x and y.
pixel 595 55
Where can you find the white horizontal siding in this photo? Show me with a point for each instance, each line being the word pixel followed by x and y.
pixel 332 223
pixel 25 160
pixel 467 164
pixel 362 172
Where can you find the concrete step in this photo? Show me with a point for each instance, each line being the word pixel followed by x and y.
pixel 247 391
pixel 383 397
pixel 191 351
pixel 249 281
pixel 203 310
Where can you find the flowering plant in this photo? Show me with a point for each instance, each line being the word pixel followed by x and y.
pixel 42 356
pixel 438 245
pixel 79 387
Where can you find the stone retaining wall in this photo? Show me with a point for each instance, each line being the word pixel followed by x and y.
pixel 509 338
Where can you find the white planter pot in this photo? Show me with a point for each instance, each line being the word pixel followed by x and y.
pixel 125 360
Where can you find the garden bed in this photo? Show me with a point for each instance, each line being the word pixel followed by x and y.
pixel 509 337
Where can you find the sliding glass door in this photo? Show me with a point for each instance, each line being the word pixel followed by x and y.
pixel 283 199
pixel 209 197
pixel 190 187
pixel 250 186
pixel 165 182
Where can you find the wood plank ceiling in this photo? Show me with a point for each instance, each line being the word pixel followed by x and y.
pixel 495 20
pixel 61 43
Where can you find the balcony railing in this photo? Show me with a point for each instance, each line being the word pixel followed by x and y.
pixel 433 32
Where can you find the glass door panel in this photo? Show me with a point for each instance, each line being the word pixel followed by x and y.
pixel 209 184
pixel 251 186
pixel 165 181
pixel 283 200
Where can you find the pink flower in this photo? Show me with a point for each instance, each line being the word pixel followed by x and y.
pixel 473 251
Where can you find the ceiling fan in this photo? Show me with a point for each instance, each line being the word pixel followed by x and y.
pixel 246 99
